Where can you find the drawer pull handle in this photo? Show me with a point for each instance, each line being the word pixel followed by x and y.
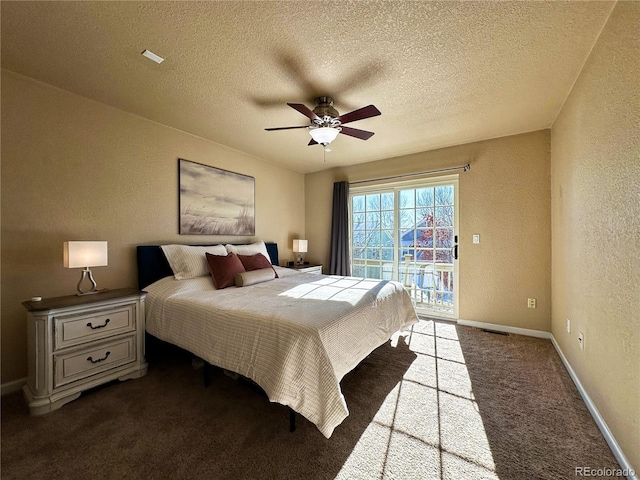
pixel 98 326
pixel 98 360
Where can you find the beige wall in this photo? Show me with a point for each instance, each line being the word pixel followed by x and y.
pixel 595 156
pixel 75 169
pixel 504 197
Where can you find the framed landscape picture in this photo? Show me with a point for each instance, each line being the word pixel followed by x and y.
pixel 215 201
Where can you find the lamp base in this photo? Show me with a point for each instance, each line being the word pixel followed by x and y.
pixel 102 290
pixel 86 274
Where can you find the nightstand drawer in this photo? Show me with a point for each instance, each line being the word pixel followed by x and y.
pixel 311 269
pixel 307 268
pixel 73 366
pixel 76 329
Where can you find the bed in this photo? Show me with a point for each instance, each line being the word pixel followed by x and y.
pixel 296 336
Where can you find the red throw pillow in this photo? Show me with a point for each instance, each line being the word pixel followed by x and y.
pixel 224 269
pixel 256 262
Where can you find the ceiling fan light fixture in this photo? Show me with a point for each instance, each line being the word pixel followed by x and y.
pixel 324 135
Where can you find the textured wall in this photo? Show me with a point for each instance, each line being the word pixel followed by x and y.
pixel 595 154
pixel 75 169
pixel 504 197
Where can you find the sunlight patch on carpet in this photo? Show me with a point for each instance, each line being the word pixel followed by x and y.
pixel 368 457
pixel 429 425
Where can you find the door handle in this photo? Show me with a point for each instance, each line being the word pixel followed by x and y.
pixel 454 250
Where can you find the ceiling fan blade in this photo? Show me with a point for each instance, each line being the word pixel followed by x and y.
pixel 284 128
pixel 303 109
pixel 356 132
pixel 361 113
pixel 312 142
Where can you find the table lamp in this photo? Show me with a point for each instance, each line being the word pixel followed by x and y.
pixel 84 255
pixel 300 247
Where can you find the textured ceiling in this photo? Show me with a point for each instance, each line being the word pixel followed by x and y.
pixel 441 73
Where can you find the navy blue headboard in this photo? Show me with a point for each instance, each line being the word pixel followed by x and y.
pixel 153 265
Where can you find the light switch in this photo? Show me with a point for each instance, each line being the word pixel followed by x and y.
pixel 476 238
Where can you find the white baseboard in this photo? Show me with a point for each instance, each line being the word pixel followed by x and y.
pixel 602 425
pixel 504 328
pixel 11 387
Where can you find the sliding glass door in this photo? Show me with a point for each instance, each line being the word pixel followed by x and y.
pixel 408 232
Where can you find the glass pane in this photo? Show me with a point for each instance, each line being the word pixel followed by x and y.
pixel 359 238
pixel 387 219
pixel 444 195
pixel 447 281
pixel 387 273
pixel 407 218
pixel 358 203
pixel 357 253
pixel 387 201
pixel 408 238
pixel 373 238
pixel 406 255
pixel 373 220
pixel 358 271
pixel 407 198
pixel 423 278
pixel 424 217
pixel 358 221
pixel 372 272
pixel 444 216
pixel 444 238
pixel 387 238
pixel 373 254
pixel 424 255
pixel 424 197
pixel 443 256
pixel 425 237
pixel 427 295
pixel 405 276
pixel 387 254
pixel 373 202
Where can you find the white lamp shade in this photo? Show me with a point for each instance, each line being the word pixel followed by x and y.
pixel 324 135
pixel 300 246
pixel 85 254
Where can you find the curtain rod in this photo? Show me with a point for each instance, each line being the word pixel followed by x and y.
pixel 461 167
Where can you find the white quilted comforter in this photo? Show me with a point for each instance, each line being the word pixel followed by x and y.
pixel 295 336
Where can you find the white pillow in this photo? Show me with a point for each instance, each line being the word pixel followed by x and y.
pixel 249 249
pixel 188 261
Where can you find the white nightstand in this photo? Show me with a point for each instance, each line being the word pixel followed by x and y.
pixel 78 342
pixel 308 268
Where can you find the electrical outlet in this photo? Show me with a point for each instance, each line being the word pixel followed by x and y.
pixel 476 238
pixel 531 303
pixel 581 340
pixel 568 325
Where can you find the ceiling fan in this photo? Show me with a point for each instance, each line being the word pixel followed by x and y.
pixel 327 123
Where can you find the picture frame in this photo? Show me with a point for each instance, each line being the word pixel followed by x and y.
pixel 214 201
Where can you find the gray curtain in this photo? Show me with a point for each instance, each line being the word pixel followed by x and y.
pixel 339 262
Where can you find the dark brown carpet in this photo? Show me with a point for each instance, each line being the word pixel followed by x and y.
pixel 446 402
